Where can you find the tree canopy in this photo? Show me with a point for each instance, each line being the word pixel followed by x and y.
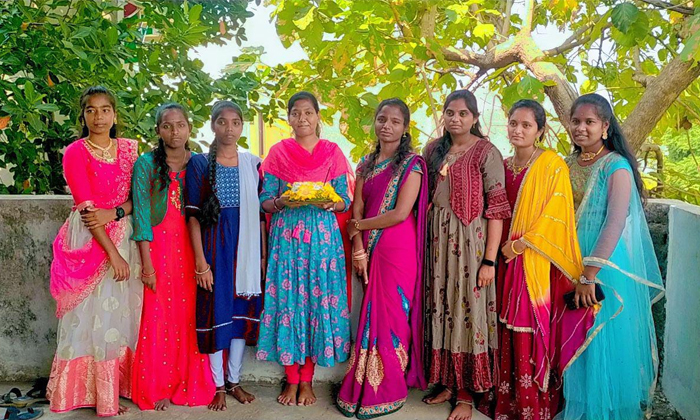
pixel 50 50
pixel 644 53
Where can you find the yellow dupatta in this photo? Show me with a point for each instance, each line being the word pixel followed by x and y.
pixel 544 219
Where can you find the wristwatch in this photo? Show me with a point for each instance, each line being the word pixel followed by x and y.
pixel 488 263
pixel 120 213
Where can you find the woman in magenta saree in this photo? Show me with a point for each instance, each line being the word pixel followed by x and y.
pixel 389 210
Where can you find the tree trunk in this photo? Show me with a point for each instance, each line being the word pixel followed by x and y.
pixel 659 95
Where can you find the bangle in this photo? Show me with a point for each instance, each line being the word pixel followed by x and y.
pixel 144 275
pixel 199 273
pixel 488 263
pixel 584 280
pixel 359 257
pixel 274 204
pixel 512 248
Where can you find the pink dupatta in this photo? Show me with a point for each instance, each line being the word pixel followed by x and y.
pixel 80 263
pixel 290 162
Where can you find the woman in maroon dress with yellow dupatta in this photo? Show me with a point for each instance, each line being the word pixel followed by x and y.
pixel 538 336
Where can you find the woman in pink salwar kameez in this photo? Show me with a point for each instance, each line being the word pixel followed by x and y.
pixel 389 210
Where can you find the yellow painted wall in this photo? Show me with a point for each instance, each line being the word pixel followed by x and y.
pixel 272 134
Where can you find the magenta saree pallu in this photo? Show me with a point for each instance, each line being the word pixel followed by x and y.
pixel 387 354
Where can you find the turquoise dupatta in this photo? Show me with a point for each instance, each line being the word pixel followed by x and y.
pixel 615 377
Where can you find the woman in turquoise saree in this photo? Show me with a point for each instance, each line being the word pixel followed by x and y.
pixel 614 377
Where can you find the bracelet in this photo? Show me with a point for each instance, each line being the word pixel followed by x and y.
pixel 488 263
pixel 144 275
pixel 512 248
pixel 199 273
pixel 584 280
pixel 274 204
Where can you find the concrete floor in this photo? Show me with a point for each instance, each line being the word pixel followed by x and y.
pixel 265 407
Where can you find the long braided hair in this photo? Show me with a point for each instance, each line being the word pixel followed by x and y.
pixel 159 154
pixel 436 150
pixel 87 93
pixel 405 146
pixel 616 140
pixel 211 208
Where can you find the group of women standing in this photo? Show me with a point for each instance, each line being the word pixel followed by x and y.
pixel 480 275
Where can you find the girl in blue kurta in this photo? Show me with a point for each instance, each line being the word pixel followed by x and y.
pixel 225 226
pixel 306 317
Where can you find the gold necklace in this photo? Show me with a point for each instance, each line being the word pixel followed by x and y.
pixel 516 169
pixel 589 156
pixel 106 154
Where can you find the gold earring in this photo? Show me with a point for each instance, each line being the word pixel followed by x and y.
pixel 605 135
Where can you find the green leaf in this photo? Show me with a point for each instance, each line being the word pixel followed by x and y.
pixel 691 48
pixel 531 88
pixel 48 107
pixel 194 13
pixel 83 32
pixel 484 31
pixel 624 15
pixel 35 123
pixel 112 36
pixel 29 92
pixel 153 58
pixel 304 22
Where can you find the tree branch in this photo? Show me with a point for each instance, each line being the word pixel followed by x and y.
pixel 405 30
pixel 659 95
pixel 454 70
pixel 506 19
pixel 529 17
pixel 573 41
pixel 639 76
pixel 433 107
pixel 688 11
pixel 427 24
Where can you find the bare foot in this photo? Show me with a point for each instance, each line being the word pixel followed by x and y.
pixel 306 394
pixel 162 405
pixel 237 392
pixel 288 395
pixel 439 398
pixel 218 403
pixel 462 411
pixel 122 410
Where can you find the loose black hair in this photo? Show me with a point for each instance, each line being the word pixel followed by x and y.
pixel 616 140
pixel 437 149
pixel 537 110
pixel 211 207
pixel 314 102
pixel 405 146
pixel 89 92
pixel 159 154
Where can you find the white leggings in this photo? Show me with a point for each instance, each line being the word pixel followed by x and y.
pixel 235 361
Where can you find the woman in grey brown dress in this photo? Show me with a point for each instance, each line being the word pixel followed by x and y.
pixel 469 203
